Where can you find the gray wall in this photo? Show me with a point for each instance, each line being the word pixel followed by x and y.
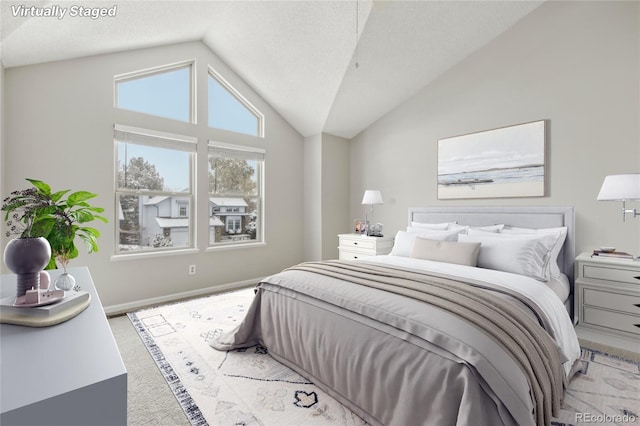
pixel 575 64
pixel 326 177
pixel 312 227
pixel 335 193
pixel 60 119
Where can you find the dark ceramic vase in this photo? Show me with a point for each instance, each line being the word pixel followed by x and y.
pixel 26 257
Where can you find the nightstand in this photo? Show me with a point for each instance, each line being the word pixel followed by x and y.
pixel 354 246
pixel 607 300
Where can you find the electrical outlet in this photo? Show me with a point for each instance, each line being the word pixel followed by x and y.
pixel 192 269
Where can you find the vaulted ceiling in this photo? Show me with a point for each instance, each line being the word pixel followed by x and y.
pixel 325 66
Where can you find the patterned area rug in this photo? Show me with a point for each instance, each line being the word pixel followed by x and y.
pixel 248 387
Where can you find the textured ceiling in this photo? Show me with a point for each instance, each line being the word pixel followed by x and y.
pixel 300 56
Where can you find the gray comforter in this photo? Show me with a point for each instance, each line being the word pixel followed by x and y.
pixel 407 347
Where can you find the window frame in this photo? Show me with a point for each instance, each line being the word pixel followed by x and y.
pixel 244 101
pixel 260 197
pixel 197 131
pixel 156 139
pixel 150 72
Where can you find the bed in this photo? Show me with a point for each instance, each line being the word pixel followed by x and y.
pixel 408 340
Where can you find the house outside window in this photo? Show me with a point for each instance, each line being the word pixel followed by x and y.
pixel 235 194
pixel 154 175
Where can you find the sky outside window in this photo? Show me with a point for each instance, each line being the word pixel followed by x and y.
pixel 166 94
pixel 228 113
pixel 171 165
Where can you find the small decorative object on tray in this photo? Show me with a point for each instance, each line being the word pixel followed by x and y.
pixel 38 308
pixel 34 298
pixel 607 252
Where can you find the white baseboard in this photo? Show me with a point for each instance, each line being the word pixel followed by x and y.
pixel 139 304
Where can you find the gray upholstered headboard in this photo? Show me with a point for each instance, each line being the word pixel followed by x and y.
pixel 525 217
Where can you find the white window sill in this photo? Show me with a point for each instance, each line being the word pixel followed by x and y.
pixel 146 255
pixel 231 246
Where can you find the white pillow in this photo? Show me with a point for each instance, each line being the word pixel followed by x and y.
pixel 561 233
pixel 438 226
pixel 417 229
pixel 465 228
pixel 446 251
pixel 520 254
pixel 403 243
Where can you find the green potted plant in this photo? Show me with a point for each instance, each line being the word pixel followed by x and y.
pixel 59 217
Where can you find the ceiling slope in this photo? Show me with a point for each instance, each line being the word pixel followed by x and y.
pixel 300 56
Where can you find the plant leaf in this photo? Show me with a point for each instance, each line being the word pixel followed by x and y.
pixel 51 265
pixel 56 196
pixel 42 226
pixel 42 187
pixel 79 197
pixel 83 215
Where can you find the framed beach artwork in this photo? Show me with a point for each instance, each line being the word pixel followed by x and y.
pixel 504 162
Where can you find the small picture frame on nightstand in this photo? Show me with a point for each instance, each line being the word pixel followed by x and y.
pixel 360 227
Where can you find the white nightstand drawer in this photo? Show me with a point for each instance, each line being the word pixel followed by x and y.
pixel 612 274
pixel 361 243
pixel 613 301
pixel 613 320
pixel 355 246
pixel 352 255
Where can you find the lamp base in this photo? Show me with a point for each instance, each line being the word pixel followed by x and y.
pixel 625 210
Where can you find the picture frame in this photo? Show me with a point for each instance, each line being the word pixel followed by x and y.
pixel 360 227
pixel 498 163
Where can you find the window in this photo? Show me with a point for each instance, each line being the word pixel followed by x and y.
pixel 165 92
pixel 228 110
pixel 235 194
pixel 154 173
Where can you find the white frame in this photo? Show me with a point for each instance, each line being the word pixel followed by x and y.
pixel 260 233
pixel 236 94
pixel 496 163
pixel 191 64
pixel 165 140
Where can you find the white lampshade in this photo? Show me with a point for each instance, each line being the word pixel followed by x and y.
pixel 620 188
pixel 372 196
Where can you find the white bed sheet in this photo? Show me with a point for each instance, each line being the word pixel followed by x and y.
pixel 540 293
pixel 560 287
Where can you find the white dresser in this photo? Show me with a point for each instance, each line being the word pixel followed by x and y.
pixel 607 299
pixel 66 374
pixel 354 246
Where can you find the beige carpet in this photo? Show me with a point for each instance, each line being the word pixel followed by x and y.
pixel 150 401
pixel 606 386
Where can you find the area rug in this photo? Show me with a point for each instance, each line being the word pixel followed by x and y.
pixel 248 387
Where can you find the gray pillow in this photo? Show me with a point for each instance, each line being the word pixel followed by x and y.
pixel 446 251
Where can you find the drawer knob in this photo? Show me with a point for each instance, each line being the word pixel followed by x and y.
pixel 355 244
pixel 637 325
pixel 637 305
pixel 355 257
pixel 637 278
